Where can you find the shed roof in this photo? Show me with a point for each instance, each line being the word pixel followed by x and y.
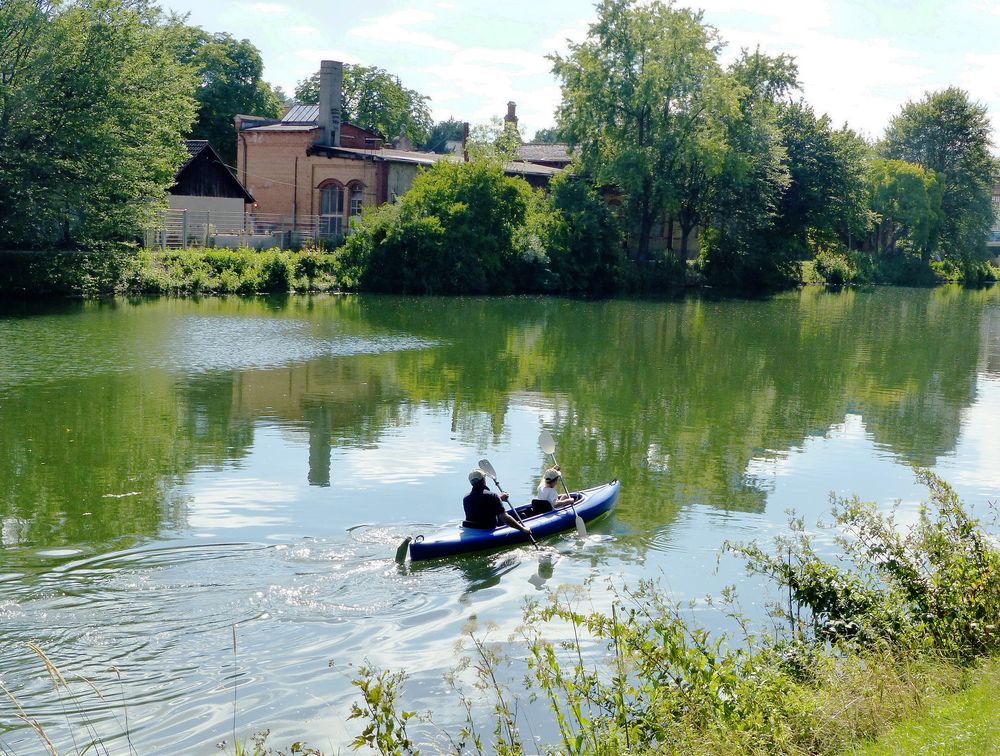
pixel 549 152
pixel 209 177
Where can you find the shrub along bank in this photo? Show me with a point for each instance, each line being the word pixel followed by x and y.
pixel 122 270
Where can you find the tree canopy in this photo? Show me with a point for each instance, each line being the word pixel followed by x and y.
pixel 637 96
pixel 442 133
pixel 94 107
pixel 453 231
pixel 229 81
pixel 376 100
pixel 949 134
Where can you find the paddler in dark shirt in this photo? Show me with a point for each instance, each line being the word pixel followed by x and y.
pixel 483 508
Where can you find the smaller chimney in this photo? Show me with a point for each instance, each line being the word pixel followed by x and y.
pixel 331 84
pixel 511 116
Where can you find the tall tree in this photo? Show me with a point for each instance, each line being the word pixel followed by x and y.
pixel 375 99
pixel 635 94
pixel 442 133
pixel 229 72
pixel 949 134
pixel 546 136
pixel 826 181
pixel 906 203
pixel 748 190
pixel 93 109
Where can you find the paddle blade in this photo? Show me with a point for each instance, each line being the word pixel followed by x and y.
pixel 581 529
pixel 402 549
pixel 546 441
pixel 486 467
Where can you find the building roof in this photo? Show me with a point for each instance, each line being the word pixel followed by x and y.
pixel 301 114
pixel 531 169
pixel 284 127
pixel 386 154
pixel 390 155
pixel 204 174
pixel 194 148
pixel 545 152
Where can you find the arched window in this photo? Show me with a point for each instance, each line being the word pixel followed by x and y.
pixel 331 209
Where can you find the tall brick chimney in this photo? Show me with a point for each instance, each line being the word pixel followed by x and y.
pixel 331 84
pixel 511 116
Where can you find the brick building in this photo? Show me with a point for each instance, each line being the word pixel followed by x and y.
pixel 310 167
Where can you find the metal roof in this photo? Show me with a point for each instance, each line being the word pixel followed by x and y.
pixel 301 114
pixel 284 127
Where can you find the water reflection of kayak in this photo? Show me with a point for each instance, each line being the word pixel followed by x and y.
pixel 590 504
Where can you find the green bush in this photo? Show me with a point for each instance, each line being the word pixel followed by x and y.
pixel 582 239
pixel 946 271
pixel 454 231
pixel 835 267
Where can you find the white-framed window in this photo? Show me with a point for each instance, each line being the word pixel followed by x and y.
pixel 331 209
pixel 357 199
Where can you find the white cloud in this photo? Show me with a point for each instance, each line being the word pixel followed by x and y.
pixel 786 16
pixel 979 76
pixel 556 43
pixel 270 9
pixel 397 28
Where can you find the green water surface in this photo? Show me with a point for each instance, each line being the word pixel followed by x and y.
pixel 170 468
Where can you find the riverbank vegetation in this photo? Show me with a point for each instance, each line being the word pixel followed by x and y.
pixel 875 645
pixel 902 621
pixel 686 171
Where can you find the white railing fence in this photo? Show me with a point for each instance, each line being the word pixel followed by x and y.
pixel 180 229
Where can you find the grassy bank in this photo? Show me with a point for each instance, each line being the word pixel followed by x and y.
pixel 966 723
pixel 124 270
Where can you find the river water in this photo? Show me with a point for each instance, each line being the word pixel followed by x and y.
pixel 175 474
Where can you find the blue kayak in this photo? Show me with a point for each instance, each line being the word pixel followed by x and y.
pixel 590 504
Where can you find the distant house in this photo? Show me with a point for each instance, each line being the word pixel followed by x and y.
pixel 312 168
pixel 552 154
pixel 204 183
pixel 993 240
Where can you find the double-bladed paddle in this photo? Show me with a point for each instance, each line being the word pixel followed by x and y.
pixel 548 445
pixel 486 467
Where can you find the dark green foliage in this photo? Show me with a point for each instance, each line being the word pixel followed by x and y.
pixel 442 133
pixel 120 269
pixel 229 82
pixel 947 133
pixel 454 231
pixel 583 241
pixel 546 136
pixel 93 110
pixel 96 271
pixel 376 100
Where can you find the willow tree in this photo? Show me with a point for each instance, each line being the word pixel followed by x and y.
pixel 906 207
pixel 641 97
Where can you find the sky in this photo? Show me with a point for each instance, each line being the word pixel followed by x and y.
pixel 859 61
